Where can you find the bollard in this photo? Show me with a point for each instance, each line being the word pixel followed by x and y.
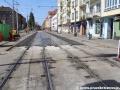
pixel 118 50
pixel 88 35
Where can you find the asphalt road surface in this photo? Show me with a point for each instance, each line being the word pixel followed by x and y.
pixel 72 66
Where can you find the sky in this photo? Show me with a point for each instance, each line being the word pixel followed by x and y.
pixel 26 6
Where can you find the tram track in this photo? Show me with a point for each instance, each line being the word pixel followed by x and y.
pixel 47 70
pixel 14 65
pixel 104 59
pixel 84 66
pixel 50 85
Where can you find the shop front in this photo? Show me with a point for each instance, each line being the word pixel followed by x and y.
pixel 83 27
pixel 117 26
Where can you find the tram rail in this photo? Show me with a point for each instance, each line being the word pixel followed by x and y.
pixel 83 65
pixel 14 65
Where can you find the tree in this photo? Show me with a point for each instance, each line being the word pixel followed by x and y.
pixel 0 22
pixel 31 21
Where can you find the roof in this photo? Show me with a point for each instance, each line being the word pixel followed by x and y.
pixel 52 12
pixel 5 9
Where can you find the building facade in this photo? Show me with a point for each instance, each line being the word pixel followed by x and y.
pixel 111 18
pixel 64 16
pixel 48 19
pixel 6 17
pixel 101 18
pixel 54 23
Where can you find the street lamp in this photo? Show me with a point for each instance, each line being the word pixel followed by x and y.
pixel 17 16
pixel 27 17
pixel 75 33
pixel 13 14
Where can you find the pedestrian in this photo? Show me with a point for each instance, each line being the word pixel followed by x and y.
pixel 14 32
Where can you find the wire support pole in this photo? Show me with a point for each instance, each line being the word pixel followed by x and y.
pixel 75 33
pixel 13 23
pixel 17 17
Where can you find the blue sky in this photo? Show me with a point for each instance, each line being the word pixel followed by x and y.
pixel 25 7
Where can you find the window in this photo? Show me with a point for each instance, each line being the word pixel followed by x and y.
pixel 76 14
pixel 65 1
pixel 73 4
pixel 119 4
pixel 97 27
pixel 84 12
pixel 91 24
pixel 72 16
pixel 111 4
pixel 76 2
pixel 91 9
pixel 115 3
pixel 105 5
pixel 98 7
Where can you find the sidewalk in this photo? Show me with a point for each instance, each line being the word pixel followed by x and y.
pixel 109 42
pixel 7 44
pixel 22 34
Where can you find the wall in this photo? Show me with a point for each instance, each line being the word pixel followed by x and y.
pixel 54 23
pixel 117 29
pixel 110 12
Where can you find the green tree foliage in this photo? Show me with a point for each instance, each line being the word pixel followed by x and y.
pixel 31 20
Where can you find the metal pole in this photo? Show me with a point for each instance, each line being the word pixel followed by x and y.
pixel 17 17
pixel 75 33
pixel 13 15
pixel 27 20
pixel 57 21
pixel 62 24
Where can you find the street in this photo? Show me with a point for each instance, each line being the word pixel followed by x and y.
pixel 72 66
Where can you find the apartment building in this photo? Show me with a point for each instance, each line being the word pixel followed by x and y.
pixel 110 19
pixel 91 13
pixel 54 22
pixel 75 15
pixel 46 23
pixel 64 15
pixel 48 19
pixel 6 17
pixel 102 17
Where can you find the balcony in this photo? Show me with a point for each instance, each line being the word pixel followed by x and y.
pixel 68 4
pixel 83 3
pixel 68 12
pixel 91 1
pixel 89 16
pixel 61 17
pixel 96 14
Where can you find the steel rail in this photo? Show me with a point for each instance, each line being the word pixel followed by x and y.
pixel 96 56
pixel 84 66
pixel 7 76
pixel 47 70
